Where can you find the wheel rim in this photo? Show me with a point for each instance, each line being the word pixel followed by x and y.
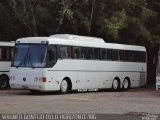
pixel 3 83
pixel 115 84
pixel 125 84
pixel 64 86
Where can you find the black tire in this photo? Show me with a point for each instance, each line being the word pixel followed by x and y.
pixel 4 82
pixel 64 87
pixel 115 85
pixel 126 84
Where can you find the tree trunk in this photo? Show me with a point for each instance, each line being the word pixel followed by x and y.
pixel 33 20
pixel 26 17
pixel 151 66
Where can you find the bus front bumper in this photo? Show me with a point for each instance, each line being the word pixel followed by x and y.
pixel 34 87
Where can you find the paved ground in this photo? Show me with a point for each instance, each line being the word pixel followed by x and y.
pixel 139 100
pixel 134 101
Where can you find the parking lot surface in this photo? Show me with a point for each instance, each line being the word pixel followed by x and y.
pixel 134 101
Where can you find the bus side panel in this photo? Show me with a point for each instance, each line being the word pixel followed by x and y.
pixel 81 81
pixel 55 77
pixel 93 80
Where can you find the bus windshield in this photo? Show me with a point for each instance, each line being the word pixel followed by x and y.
pixel 30 55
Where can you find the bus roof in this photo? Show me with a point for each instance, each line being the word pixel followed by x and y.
pixel 76 40
pixel 2 43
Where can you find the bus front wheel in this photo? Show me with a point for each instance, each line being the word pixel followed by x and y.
pixel 115 85
pixel 4 82
pixel 64 86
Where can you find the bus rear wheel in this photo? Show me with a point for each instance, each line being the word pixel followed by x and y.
pixel 64 86
pixel 4 82
pixel 115 85
pixel 126 84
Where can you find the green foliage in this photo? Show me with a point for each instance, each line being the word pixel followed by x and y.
pixel 10 28
pixel 109 27
pixel 81 24
pixel 120 21
pixel 64 12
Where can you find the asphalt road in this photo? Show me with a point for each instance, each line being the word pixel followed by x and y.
pixel 135 102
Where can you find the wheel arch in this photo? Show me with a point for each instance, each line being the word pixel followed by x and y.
pixel 7 79
pixel 128 78
pixel 118 80
pixel 5 75
pixel 69 82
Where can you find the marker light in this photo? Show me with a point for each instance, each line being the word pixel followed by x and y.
pixel 44 79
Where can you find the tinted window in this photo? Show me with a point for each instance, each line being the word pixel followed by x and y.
pixel 83 52
pixel 90 53
pixel 6 53
pixel 109 54
pixel 76 52
pixel 115 55
pixel 103 54
pixel 127 56
pixel 121 55
pixel 51 56
pixel 96 53
pixel 65 52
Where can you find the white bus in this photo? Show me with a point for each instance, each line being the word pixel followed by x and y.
pixel 6 54
pixel 70 62
pixel 158 72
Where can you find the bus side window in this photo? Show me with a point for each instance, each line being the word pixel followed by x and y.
pixel 121 55
pixel 127 56
pixel 83 52
pixel 135 56
pixel 76 52
pixel 96 53
pixel 65 52
pixel 12 52
pixel 109 54
pixel 51 56
pixel 115 55
pixel 5 54
pixel 130 54
pixel 90 53
pixel 103 54
pixel 52 53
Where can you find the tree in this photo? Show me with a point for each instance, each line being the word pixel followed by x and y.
pixel 118 21
pixel 24 12
pixel 64 12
